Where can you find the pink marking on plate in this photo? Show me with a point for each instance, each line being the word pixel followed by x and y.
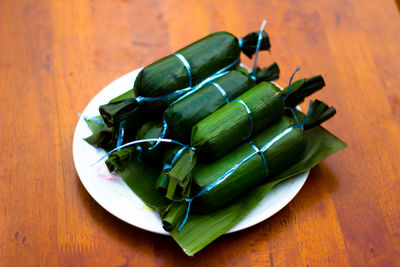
pixel 102 172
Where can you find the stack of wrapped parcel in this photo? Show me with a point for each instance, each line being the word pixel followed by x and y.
pixel 201 139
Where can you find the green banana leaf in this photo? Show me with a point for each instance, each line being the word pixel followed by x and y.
pixel 126 95
pixel 151 129
pixel 117 160
pixel 180 179
pixel 254 162
pixel 283 153
pixel 224 129
pixel 95 123
pixel 141 178
pixel 170 157
pixel 302 88
pixel 268 74
pixel 227 127
pixel 115 112
pixel 106 137
pixel 201 230
pixel 185 113
pixel 103 138
pixel 182 115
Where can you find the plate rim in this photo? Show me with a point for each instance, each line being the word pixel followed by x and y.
pixel 301 178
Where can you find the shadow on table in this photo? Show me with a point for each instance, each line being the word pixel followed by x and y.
pixel 239 247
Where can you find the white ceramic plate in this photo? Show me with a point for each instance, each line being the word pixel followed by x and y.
pixel 111 192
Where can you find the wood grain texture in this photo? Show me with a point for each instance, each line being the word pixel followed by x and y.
pixel 56 55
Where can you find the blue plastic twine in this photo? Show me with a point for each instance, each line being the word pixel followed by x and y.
pixel 221 90
pixel 293 114
pixel 139 156
pixel 187 66
pixel 288 93
pixel 306 117
pixel 143 141
pixel 189 201
pixel 163 133
pixel 121 133
pixel 276 138
pixel 250 116
pixel 216 75
pixel 175 158
pixel 258 47
pixel 141 99
pixel 241 42
pixel 290 82
pixel 261 154
pixel 189 90
pixel 298 124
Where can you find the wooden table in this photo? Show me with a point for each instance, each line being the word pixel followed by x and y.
pixel 56 55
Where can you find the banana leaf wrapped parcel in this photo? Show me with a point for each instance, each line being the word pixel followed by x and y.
pixel 268 153
pixel 251 112
pixel 190 65
pixel 192 108
pixel 229 126
pixel 280 155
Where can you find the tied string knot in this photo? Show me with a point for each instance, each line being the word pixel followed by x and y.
pixel 174 159
pixel 298 123
pixel 139 147
pixel 261 154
